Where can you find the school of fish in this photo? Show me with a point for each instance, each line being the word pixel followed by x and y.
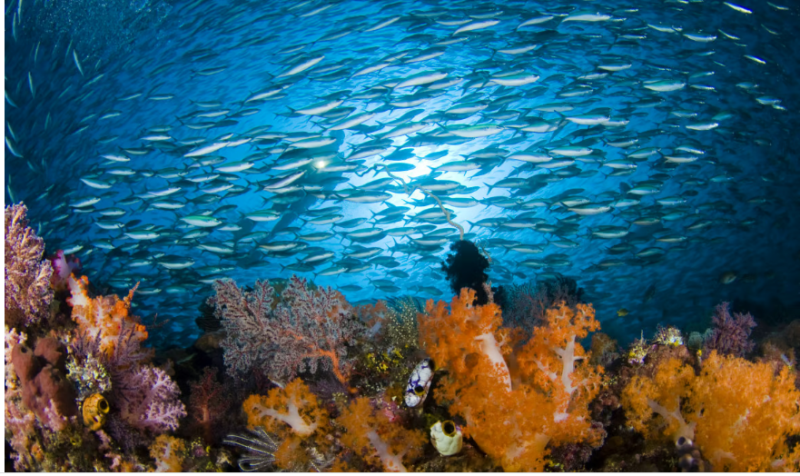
pixel 643 148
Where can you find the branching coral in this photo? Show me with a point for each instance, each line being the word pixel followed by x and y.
pixel 737 412
pixel 27 282
pixel 661 395
pixel 513 411
pixel 525 305
pixel 245 317
pixel 379 441
pixel 555 349
pixel 306 330
pixel 731 333
pixel 208 403
pixel 313 328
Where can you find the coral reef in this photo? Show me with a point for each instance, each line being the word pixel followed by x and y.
pixel 27 282
pixel 208 403
pixel 105 315
pixel 524 305
pixel 63 267
pixel 294 417
pixel 323 385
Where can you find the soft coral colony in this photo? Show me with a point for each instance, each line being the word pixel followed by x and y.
pixel 296 378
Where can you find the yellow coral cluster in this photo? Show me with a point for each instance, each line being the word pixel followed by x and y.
pixel 105 314
pixel 737 412
pixel 515 402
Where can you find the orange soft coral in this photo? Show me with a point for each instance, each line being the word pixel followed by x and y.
pixel 293 407
pixel 744 412
pixel 549 358
pixel 376 439
pixel 738 413
pixel 513 415
pixel 661 395
pixel 103 313
pixel 169 453
pixel 467 339
pixel 292 413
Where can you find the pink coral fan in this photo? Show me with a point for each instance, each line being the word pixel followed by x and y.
pixel 63 267
pixel 307 329
pixel 731 334
pixel 312 329
pixel 245 318
pixel 28 292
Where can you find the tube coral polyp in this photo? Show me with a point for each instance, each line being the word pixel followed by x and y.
pixel 738 413
pixel 514 403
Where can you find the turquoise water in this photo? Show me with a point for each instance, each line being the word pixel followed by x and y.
pixel 644 149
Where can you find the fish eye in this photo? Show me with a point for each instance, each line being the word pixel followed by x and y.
pixel 419 389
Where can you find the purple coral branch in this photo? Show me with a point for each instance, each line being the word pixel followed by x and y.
pixel 149 400
pixel 731 334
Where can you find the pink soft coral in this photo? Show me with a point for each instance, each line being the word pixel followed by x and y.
pixel 27 286
pixel 149 400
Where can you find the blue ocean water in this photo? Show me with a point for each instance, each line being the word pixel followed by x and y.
pixel 691 106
